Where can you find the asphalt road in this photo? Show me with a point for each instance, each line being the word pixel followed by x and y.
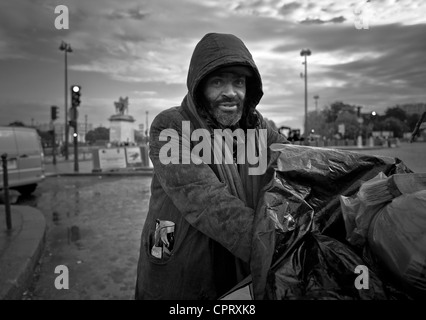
pixel 412 154
pixel 94 227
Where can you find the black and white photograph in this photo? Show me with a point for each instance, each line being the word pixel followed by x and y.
pixel 213 155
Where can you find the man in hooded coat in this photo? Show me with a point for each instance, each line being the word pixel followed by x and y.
pixel 211 205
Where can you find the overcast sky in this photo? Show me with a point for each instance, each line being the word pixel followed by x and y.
pixel 141 50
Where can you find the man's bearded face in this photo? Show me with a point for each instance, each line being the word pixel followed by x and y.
pixel 225 92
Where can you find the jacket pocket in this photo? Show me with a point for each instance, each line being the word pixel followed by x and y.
pixel 161 241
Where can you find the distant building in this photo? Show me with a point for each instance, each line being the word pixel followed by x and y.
pixel 383 134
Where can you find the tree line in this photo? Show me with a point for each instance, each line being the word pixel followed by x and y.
pixel 326 122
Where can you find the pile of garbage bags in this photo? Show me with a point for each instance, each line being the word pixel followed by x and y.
pixel 388 214
pixel 309 242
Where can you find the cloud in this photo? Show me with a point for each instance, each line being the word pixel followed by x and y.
pixel 339 19
pixel 10 50
pixel 146 93
pixel 380 12
pixel 135 13
pixel 140 48
pixel 290 7
pixel 131 62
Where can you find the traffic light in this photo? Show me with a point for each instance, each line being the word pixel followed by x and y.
pixel 54 112
pixel 72 123
pixel 75 95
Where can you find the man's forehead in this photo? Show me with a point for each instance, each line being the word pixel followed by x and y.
pixel 236 71
pixel 225 74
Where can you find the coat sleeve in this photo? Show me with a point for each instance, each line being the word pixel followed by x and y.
pixel 203 200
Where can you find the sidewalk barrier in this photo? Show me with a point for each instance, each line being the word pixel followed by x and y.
pixel 118 158
pixel 6 191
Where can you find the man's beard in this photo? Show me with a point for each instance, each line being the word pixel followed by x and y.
pixel 227 118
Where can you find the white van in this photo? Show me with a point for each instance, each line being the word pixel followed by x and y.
pixel 25 158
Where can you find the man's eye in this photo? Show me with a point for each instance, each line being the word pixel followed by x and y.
pixel 240 82
pixel 216 82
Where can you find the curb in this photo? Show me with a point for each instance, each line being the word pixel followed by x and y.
pixel 96 174
pixel 21 256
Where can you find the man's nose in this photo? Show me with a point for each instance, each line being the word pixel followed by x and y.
pixel 229 90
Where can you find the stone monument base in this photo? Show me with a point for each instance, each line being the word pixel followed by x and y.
pixel 121 130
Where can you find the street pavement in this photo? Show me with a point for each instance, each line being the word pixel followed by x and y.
pixel 412 154
pixel 85 167
pixel 22 247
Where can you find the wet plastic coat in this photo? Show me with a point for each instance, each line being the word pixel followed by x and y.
pixel 212 206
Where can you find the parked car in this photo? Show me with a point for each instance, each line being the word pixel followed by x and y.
pixel 24 158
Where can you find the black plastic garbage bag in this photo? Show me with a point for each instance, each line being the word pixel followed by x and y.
pixel 298 203
pixel 397 238
pixel 387 220
pixel 322 268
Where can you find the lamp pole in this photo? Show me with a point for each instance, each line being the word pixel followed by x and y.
pixel 360 121
pixel 146 130
pixel 305 53
pixel 66 47
pixel 316 97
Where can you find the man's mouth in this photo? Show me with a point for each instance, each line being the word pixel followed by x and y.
pixel 228 106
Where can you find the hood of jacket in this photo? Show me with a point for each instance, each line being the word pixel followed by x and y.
pixel 217 50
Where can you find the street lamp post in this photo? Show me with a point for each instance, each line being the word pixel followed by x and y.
pixel 360 121
pixel 305 53
pixel 316 97
pixel 66 47
pixel 147 130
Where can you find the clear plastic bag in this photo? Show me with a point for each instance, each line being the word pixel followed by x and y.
pixel 358 212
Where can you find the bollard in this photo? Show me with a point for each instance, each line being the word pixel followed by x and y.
pixel 6 192
pixel 75 151
pixel 54 146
